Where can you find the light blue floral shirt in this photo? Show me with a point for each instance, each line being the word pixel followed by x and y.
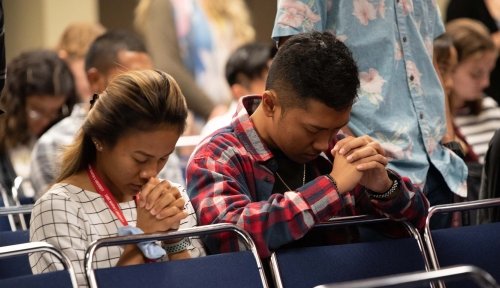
pixel 401 102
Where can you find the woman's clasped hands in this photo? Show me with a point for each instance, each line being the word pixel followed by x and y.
pixel 160 207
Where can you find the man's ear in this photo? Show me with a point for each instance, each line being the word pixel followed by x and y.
pixel 269 102
pixel 95 80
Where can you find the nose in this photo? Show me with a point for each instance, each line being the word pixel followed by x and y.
pixel 322 142
pixel 149 170
pixel 485 81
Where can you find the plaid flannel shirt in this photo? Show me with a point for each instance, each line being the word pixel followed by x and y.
pixel 230 180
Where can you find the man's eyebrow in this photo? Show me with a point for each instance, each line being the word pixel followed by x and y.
pixel 326 128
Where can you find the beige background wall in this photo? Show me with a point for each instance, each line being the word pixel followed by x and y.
pixel 33 24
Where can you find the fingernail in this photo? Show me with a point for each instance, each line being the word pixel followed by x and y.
pixel 349 158
pixel 153 211
pixel 342 151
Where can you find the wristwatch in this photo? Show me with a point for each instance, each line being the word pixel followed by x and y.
pixel 456 148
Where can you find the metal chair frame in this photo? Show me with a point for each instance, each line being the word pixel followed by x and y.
pixel 481 277
pixel 243 236
pixel 25 248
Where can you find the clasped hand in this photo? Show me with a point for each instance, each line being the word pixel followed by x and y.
pixel 360 160
pixel 160 207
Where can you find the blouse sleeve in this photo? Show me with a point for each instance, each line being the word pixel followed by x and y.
pixel 57 220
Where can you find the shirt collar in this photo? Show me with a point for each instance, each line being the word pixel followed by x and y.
pixel 244 128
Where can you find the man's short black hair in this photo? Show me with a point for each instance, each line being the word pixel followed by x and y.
pixel 103 52
pixel 314 65
pixel 249 61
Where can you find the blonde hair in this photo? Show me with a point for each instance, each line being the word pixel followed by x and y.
pixel 470 37
pixel 133 101
pixel 76 39
pixel 221 12
pixel 232 12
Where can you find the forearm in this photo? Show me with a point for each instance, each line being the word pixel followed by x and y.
pixel 184 254
pixel 131 255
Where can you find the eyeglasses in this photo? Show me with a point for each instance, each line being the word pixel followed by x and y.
pixel 35 114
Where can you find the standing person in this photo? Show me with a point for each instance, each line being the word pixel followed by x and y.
pixel 126 139
pixel 401 102
pixel 488 13
pixel 192 40
pixel 268 173
pixel 39 92
pixel 110 54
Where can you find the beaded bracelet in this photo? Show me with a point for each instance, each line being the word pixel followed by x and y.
pixel 177 246
pixel 386 194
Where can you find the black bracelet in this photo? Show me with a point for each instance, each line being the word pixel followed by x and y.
pixel 341 198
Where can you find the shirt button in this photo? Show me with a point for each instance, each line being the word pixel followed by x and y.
pixel 404 38
pixel 412 78
pixel 421 115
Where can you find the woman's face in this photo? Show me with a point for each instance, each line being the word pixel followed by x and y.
pixel 472 76
pixel 41 111
pixel 136 157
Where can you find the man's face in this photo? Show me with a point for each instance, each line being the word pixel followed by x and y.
pixel 304 131
pixel 127 61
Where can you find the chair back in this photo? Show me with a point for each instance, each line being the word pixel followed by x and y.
pixel 311 266
pixel 235 269
pixel 15 265
pixel 455 273
pixel 62 278
pixel 477 245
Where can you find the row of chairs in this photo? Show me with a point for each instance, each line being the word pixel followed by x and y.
pixel 476 245
pixel 310 266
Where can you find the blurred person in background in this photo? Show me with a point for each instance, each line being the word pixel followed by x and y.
pixel 40 91
pixel 476 115
pixel 246 73
pixel 488 13
pixel 72 47
pixel 192 40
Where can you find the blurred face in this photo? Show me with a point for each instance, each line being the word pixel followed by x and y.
pixel 127 61
pixel 472 76
pixel 136 157
pixel 41 111
pixel 302 133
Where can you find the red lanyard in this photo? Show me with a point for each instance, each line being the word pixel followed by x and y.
pixel 106 194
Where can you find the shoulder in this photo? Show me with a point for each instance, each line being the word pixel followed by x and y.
pixel 220 145
pixel 489 102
